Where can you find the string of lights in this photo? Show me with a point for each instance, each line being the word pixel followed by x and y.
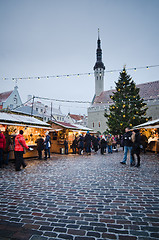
pixel 61 100
pixel 75 74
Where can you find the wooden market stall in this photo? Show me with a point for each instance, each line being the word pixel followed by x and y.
pixel 151 130
pixel 31 126
pixel 61 131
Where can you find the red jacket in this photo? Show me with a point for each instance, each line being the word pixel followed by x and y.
pixel 18 146
pixel 2 141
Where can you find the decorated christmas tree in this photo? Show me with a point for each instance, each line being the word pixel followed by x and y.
pixel 128 109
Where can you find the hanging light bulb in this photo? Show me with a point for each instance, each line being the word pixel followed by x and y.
pixel 135 69
pixel 147 67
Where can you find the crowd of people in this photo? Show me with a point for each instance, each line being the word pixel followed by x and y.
pixel 131 142
pixel 19 146
pixel 105 143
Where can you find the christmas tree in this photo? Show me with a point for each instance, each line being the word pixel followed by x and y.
pixel 128 109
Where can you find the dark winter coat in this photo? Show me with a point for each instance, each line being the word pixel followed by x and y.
pixel 88 139
pixel 81 142
pixel 127 139
pixel 40 144
pixel 8 142
pixel 136 144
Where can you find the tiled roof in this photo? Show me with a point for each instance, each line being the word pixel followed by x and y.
pixel 4 96
pixel 71 126
pixel 148 91
pixel 76 117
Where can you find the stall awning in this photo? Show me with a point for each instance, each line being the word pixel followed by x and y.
pixel 149 124
pixel 21 120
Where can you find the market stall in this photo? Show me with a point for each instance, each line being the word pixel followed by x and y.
pixel 32 128
pixel 150 129
pixel 61 131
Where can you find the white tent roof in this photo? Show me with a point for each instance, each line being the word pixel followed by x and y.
pixel 149 124
pixel 12 119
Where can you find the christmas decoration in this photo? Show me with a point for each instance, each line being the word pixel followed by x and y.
pixel 128 109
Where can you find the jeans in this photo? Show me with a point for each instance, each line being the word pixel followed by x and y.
pixel 47 153
pixel 126 149
pixel 109 148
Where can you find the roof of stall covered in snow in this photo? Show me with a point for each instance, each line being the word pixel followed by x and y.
pixel 20 119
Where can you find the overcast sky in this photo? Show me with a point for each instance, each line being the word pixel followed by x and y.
pixel 58 37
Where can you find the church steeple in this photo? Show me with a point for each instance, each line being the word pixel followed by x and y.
pixel 99 69
pixel 99 63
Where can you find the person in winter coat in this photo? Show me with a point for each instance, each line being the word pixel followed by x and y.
pixel 7 147
pixel 136 139
pixel 102 145
pixel 80 144
pixel 95 142
pixel 20 145
pixel 66 146
pixel 40 146
pixel 47 145
pixel 2 147
pixel 87 141
pixel 74 145
pixel 109 143
pixel 127 143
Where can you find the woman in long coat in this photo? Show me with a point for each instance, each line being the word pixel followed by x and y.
pixel 136 139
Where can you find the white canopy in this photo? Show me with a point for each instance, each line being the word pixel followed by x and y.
pixel 21 120
pixel 149 124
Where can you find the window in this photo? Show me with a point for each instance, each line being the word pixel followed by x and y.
pixel 99 124
pixel 41 110
pixel 57 118
pixel 93 124
pixel 37 109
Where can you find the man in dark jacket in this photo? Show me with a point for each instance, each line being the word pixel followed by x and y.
pixel 88 140
pixel 40 146
pixel 127 142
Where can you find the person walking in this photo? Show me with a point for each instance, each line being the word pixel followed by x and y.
pixel 95 143
pixel 127 143
pixel 66 146
pixel 20 145
pixel 74 145
pixel 88 140
pixel 136 139
pixel 109 143
pixel 2 147
pixel 102 145
pixel 8 146
pixel 47 145
pixel 40 146
pixel 80 144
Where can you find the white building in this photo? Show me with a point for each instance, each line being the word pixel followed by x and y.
pixel 10 99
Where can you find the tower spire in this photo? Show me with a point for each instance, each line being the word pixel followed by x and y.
pixel 98 34
pixel 99 69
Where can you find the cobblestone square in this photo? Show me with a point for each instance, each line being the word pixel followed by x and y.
pixel 81 198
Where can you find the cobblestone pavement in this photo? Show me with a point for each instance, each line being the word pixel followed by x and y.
pixel 80 198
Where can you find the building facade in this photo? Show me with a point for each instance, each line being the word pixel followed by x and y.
pixel 101 101
pixel 10 100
